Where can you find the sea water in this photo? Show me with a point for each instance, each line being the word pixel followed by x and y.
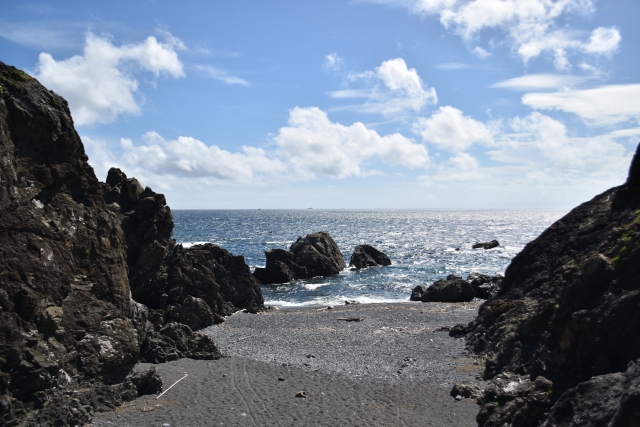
pixel 424 245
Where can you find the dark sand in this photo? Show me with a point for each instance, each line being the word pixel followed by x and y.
pixel 393 368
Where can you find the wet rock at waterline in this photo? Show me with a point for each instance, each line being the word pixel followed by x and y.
pixel 367 256
pixel 311 256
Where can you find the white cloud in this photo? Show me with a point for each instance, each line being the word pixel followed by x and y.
pixel 542 141
pixel 530 25
pixel 98 85
pixel 390 89
pixel 189 157
pixel 603 41
pixel 541 81
pixel 605 105
pixel 333 62
pixel 222 75
pixel 481 53
pixel 448 128
pixel 312 144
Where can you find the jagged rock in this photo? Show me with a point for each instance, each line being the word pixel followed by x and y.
pixel 466 389
pixel 451 289
pixel 486 245
pixel 175 341
pixel 612 399
pixel 311 256
pixel 568 310
pixel 194 286
pixel 458 330
pixel 367 256
pixel 483 285
pixel 418 292
pixel 70 332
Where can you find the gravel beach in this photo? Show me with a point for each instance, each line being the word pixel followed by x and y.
pixel 394 366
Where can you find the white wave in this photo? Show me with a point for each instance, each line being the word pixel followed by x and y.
pixel 334 300
pixel 187 245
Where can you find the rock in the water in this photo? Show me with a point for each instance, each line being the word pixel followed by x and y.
pixel 367 256
pixel 568 310
pixel 485 286
pixel 486 245
pixel 451 289
pixel 314 255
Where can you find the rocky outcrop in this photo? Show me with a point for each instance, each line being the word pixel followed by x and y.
pixel 367 256
pixel 568 311
pixel 70 247
pixel 484 286
pixel 194 286
pixel 452 289
pixel 486 245
pixel 311 256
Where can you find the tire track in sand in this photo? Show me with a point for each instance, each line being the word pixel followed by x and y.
pixel 235 386
pixel 255 393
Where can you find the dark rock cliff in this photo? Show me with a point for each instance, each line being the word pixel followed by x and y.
pixel 69 249
pixel 568 316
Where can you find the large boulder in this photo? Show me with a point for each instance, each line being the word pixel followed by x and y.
pixel 568 310
pixel 452 289
pixel 367 256
pixel 484 286
pixel 311 256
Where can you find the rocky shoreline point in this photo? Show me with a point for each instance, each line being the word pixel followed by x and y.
pixel 90 280
pixel 561 339
pixel 456 289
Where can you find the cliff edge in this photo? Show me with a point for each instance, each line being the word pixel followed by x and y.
pixel 561 340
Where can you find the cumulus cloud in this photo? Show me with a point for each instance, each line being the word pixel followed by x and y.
pixel 530 25
pixel 605 105
pixel 312 144
pixel 448 128
pixel 333 62
pixel 222 75
pixel 390 89
pixel 189 157
pixel 99 84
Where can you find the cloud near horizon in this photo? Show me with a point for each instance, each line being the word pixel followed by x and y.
pixel 99 84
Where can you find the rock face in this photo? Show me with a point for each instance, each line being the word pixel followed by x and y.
pixel 486 245
pixel 367 256
pixel 568 310
pixel 194 286
pixel 311 256
pixel 451 289
pixel 69 249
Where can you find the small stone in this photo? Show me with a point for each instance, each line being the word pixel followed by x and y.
pixel 458 398
pixel 280 379
pixel 301 394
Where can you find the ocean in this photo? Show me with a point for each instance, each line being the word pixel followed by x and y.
pixel 421 244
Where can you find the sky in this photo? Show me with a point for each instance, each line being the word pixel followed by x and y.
pixel 430 104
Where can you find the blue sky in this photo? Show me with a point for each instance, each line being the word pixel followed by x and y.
pixel 345 104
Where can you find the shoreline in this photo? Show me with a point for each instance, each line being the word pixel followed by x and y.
pixel 394 367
